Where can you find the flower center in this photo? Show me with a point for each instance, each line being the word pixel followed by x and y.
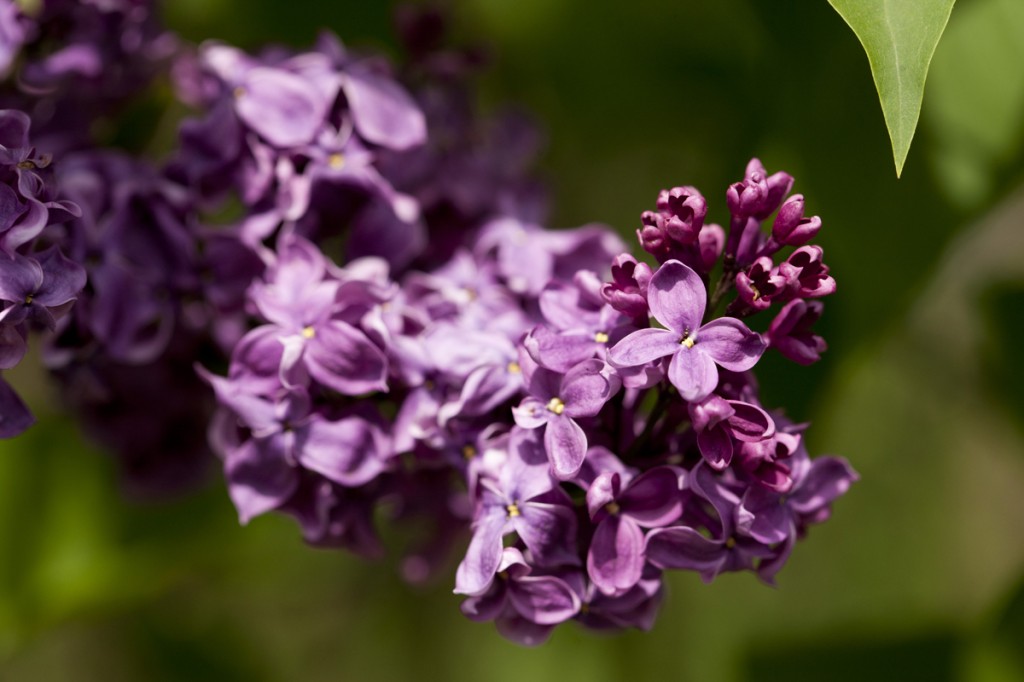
pixel 468 451
pixel 28 300
pixel 556 405
pixel 612 508
pixel 308 332
pixel 688 339
pixel 730 543
pixel 600 337
pixel 513 510
pixel 336 161
pixel 238 92
pixel 514 368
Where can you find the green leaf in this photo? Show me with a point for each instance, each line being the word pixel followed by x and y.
pixel 899 37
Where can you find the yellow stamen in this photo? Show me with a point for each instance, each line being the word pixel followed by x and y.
pixel 687 341
pixel 28 300
pixel 513 510
pixel 757 294
pixel 238 92
pixel 336 160
pixel 600 337
pixel 730 543
pixel 309 332
pixel 468 451
pixel 612 508
pixel 556 405
pixel 514 368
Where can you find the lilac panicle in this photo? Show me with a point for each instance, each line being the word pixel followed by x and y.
pixel 384 330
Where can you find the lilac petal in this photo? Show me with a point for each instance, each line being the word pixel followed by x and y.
pixel 526 473
pixel 10 207
pixel 585 389
pixel 531 413
pixel 643 346
pixel 485 388
pixel 14 415
pixel 476 572
pixel 488 605
pixel 27 227
pixel 19 278
pixel 544 600
pixel 541 383
pixel 604 489
pixel 763 517
pixel 14 126
pixel 285 109
pixel 346 451
pixel 566 444
pixel 706 483
pixel 684 548
pixel 63 279
pixel 340 356
pixel 259 476
pixel 710 412
pixel 828 479
pixel 768 567
pixel 616 558
pixel 677 297
pixel 750 423
pixel 693 373
pixel 12 346
pixel 731 344
pixel 549 531
pixel 560 352
pixel 653 498
pixel 715 447
pixel 522 631
pixel 383 112
pixel 256 412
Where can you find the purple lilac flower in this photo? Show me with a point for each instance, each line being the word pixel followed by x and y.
pixel 556 401
pixel 677 299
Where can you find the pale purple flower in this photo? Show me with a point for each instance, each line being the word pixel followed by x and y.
pixel 790 332
pixel 555 402
pixel 524 499
pixel 677 298
pixel 719 422
pixel 522 599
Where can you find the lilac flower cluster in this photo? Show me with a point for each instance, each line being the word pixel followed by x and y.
pixel 587 448
pixel 341 279
pixel 37 283
pixel 71 63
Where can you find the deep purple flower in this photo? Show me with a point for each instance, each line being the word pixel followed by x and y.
pixel 677 298
pixel 791 228
pixel 805 275
pixel 718 422
pixel 758 285
pixel 791 334
pixel 39 291
pixel 622 509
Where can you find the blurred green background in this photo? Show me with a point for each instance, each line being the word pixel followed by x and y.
pixel 919 575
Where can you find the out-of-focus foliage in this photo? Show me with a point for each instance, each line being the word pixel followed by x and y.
pixel 915 576
pixel 975 102
pixel 899 37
